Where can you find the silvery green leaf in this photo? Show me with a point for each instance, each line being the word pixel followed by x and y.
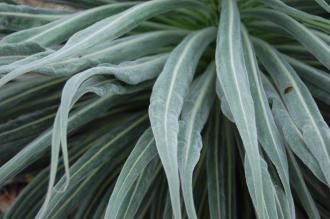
pixel 92 81
pixel 308 18
pixel 224 103
pixel 137 196
pixel 18 17
pixel 167 100
pixel 62 203
pixel 301 33
pixel 22 60
pixel 98 85
pixel 143 153
pixel 59 30
pixel 273 206
pixel 291 132
pixel 121 24
pixel 300 103
pixel 113 52
pixel 271 196
pixel 233 79
pixel 195 111
pixel 268 134
pixel 97 155
pixel 311 74
pixel 19 51
pixel 126 49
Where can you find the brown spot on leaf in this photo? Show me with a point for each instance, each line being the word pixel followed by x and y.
pixel 288 89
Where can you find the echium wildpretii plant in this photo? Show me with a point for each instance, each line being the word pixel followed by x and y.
pixel 166 108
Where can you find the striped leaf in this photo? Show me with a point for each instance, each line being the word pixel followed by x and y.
pixel 109 29
pixel 143 153
pixel 301 33
pixel 291 132
pixel 232 75
pixel 268 134
pixel 167 100
pixel 300 104
pixel 195 111
pixel 19 17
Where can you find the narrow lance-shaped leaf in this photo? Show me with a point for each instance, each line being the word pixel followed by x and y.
pixel 18 17
pixel 63 203
pixel 143 153
pixel 23 60
pixel 97 85
pixel 311 74
pixel 268 187
pixel 301 33
pixel 290 131
pixel 91 81
pixel 324 5
pixel 58 31
pixel 106 147
pixel 194 114
pixel 273 205
pixel 128 48
pixel 116 51
pixel 232 75
pixel 166 102
pixel 114 28
pixel 268 134
pixel 300 104
pixel 13 52
pixel 299 14
pixel 138 199
pixel 224 103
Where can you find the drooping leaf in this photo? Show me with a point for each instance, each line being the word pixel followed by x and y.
pixel 195 111
pixel 166 102
pixel 301 33
pixel 138 200
pixel 231 72
pixel 268 134
pixel 58 31
pixel 143 153
pixel 19 17
pixel 313 20
pixel 107 146
pixel 114 52
pixel 291 132
pixel 300 104
pixel 313 75
pixel 109 29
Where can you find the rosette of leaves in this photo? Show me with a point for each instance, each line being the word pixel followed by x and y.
pixel 166 109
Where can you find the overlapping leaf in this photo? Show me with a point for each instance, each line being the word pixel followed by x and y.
pixel 232 74
pixel 167 100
